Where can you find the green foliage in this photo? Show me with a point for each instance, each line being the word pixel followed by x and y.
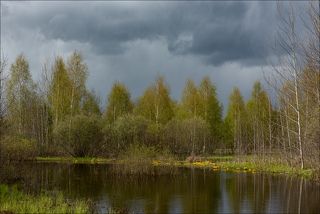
pixel 181 112
pixel 82 137
pixel 154 134
pixel 77 72
pixel 156 104
pixel 211 110
pixel 202 102
pixel 20 97
pixel 235 120
pixel 193 125
pixel 174 137
pixel 188 136
pixel 90 104
pixel 60 91
pixel 15 201
pixel 126 130
pixel 140 152
pixel 258 113
pixel 14 148
pixel 139 160
pixel 119 102
pixel 191 99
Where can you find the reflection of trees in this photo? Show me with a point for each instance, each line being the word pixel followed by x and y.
pixel 197 190
pixel 247 193
pixel 298 195
pixel 185 190
pixel 201 192
pixel 267 193
pixel 259 193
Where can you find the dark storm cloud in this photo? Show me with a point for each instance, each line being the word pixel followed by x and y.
pixel 240 32
pixel 133 42
pixel 217 32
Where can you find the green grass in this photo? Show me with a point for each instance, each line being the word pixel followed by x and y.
pixel 274 168
pixel 229 163
pixel 75 160
pixel 244 164
pixel 220 158
pixel 15 201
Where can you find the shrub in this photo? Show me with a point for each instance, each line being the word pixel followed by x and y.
pixel 145 154
pixel 80 135
pixel 154 134
pixel 139 152
pixel 16 148
pixel 125 131
pixel 138 160
pixel 187 136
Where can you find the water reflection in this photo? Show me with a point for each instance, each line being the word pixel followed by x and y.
pixel 169 191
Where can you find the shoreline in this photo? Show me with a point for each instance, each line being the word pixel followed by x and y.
pixel 221 163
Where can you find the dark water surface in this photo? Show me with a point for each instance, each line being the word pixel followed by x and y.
pixel 182 190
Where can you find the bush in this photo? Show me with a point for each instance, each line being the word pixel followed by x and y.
pixel 125 131
pixel 145 154
pixel 138 160
pixel 140 153
pixel 186 136
pixel 154 134
pixel 80 136
pixel 16 148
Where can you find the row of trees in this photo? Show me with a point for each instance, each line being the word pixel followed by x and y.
pixel 296 83
pixel 54 110
pixel 63 117
pixel 291 126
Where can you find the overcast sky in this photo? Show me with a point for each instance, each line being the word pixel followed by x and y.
pixel 133 42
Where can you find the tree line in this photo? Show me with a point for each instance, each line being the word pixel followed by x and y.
pixel 59 115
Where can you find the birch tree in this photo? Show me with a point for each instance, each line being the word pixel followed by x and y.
pixel 156 104
pixel 3 64
pixel 211 110
pixel 20 97
pixel 258 112
pixel 191 98
pixel 119 102
pixel 90 105
pixel 60 94
pixel 236 120
pixel 77 71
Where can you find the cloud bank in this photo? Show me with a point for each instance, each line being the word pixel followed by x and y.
pixel 133 42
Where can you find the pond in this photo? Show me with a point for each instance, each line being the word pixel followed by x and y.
pixel 178 190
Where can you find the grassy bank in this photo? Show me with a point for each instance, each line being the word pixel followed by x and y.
pixel 78 160
pixel 15 201
pixel 252 167
pixel 227 163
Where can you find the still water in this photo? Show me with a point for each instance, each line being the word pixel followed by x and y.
pixel 182 190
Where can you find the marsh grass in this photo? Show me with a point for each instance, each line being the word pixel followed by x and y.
pixel 75 160
pixel 252 164
pixel 142 160
pixel 220 158
pixel 15 201
pixel 139 160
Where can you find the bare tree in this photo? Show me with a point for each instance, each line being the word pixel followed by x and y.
pixel 43 110
pixel 3 63
pixel 296 81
